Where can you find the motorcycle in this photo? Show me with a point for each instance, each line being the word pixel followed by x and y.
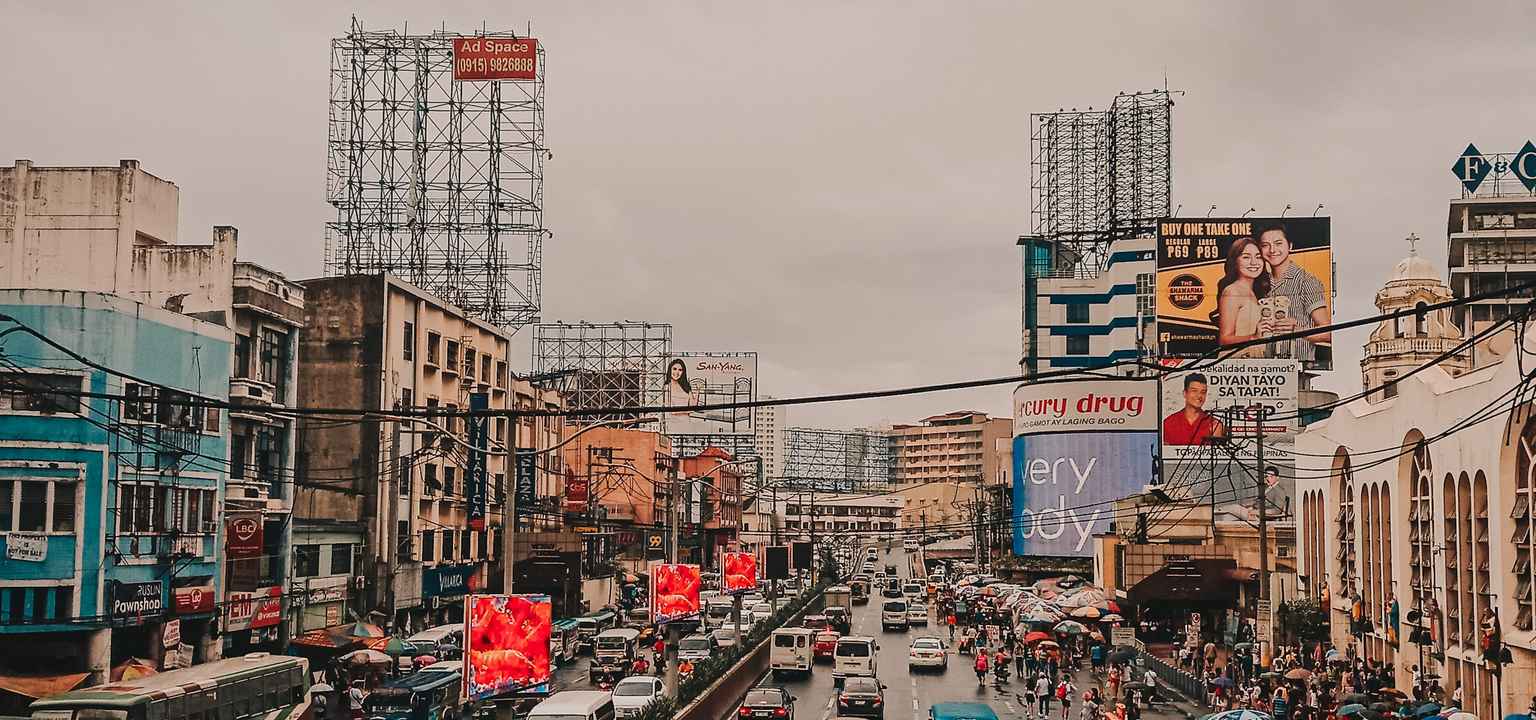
pixel 1001 671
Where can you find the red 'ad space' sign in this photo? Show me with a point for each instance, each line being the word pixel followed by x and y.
pixel 495 58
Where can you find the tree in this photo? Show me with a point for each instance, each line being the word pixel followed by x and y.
pixel 1303 620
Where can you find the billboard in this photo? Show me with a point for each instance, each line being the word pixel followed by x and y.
pixel 739 572
pixel 495 58
pixel 776 562
pixel 506 643
pixel 1078 446
pixel 674 592
pixel 695 380
pixel 1210 429
pixel 1226 281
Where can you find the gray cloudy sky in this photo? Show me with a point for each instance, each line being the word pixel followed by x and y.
pixel 835 185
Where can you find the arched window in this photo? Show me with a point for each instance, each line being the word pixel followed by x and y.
pixel 1420 319
pixel 1448 555
pixel 1345 521
pixel 1523 516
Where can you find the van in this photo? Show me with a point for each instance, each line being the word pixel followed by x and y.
pixel 893 615
pixel 790 651
pixel 574 705
pixel 856 655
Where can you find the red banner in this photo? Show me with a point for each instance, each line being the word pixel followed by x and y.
pixel 194 598
pixel 739 572
pixel 577 494
pixel 495 58
pixel 506 643
pixel 674 592
pixel 243 535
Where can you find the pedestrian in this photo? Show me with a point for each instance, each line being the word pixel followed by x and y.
pixel 1064 693
pixel 1456 696
pixel 950 620
pixel 355 697
pixel 1043 695
pixel 1090 709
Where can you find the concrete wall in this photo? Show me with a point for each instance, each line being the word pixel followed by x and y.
pixel 341 347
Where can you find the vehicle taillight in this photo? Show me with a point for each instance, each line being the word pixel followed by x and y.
pixel 876 700
pixel 780 712
pixel 745 712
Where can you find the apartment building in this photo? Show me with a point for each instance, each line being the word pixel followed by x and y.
pixel 959 447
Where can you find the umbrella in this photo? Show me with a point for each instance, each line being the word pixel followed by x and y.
pixel 133 669
pixel 1096 635
pixel 1223 682
pixel 398 647
pixel 1333 655
pixel 424 660
pixel 1126 654
pixel 1392 692
pixel 1427 709
pixel 1111 618
pixel 366 657
pixel 1036 636
pixel 1462 716
pixel 1350 709
pixel 1049 644
pixel 1071 627
pixel 1239 715
pixel 361 629
pixel 321 688
pixel 1087 613
pixel 1381 707
pixel 1298 674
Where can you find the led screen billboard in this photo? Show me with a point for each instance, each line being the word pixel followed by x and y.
pixel 738 572
pixel 674 592
pixel 1222 282
pixel 1078 446
pixel 709 379
pixel 506 643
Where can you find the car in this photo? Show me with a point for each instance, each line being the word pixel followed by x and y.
pixel 767 701
pixel 861 697
pixel 632 694
pixel 815 622
pixel 880 579
pixel 892 592
pixel 913 590
pixel 893 615
pixel 855 656
pixel 697 647
pixel 724 637
pixel 927 652
pixel 824 645
pixel 761 610
pixel 839 618
pixel 917 614
pixel 909 545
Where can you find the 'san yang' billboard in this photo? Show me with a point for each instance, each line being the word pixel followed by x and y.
pixel 1078 446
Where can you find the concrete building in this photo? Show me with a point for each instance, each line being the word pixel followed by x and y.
pixel 851 514
pixel 383 522
pixel 959 446
pixel 770 425
pixel 1071 321
pixel 626 476
pixel 112 501
pixel 266 314
pixel 1492 239
pixel 1407 511
pixel 715 501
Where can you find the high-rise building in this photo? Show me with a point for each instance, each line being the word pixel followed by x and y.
pixel 1075 319
pixel 768 423
pixel 958 446
pixel 1492 239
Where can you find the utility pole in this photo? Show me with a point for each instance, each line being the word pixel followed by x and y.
pixel 673 631
pixel 1263 502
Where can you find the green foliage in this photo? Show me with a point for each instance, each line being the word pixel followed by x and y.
pixel 1303 620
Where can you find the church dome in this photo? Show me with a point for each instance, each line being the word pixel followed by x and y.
pixel 1414 267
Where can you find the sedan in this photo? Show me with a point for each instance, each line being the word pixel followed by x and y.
pixel 633 693
pixel 767 702
pixel 917 614
pixel 927 652
pixel 861 697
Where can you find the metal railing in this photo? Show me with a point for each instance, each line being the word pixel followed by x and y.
pixel 1185 683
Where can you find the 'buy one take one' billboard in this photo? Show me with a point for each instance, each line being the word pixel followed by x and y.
pixel 1226 281
pixel 1078 446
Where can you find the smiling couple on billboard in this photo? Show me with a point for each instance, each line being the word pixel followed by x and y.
pixel 1263 293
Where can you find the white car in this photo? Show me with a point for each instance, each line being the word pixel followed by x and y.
pixel 893 615
pixel 913 591
pixel 696 648
pixel 927 652
pixel 917 614
pixel 633 693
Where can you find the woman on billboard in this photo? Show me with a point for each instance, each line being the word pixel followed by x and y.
pixel 678 392
pixel 1246 281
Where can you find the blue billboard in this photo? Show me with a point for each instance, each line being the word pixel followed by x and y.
pixel 1078 446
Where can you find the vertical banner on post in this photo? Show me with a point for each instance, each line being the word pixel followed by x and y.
pixel 525 466
pixel 474 487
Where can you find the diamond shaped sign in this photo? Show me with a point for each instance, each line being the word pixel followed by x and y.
pixel 1524 166
pixel 1471 168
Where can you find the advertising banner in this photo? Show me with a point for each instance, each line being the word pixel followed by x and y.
pixel 506 643
pixel 243 535
pixel 193 594
pixel 250 610
pixel 738 572
pixel 674 592
pixel 137 599
pixel 1226 281
pixel 776 562
pixel 495 58
pixel 577 493
pixel 1079 445
pixel 709 379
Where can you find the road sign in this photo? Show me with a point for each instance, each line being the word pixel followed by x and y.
pixel 1122 636
pixel 1266 627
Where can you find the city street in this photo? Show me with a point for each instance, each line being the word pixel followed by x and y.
pixel 908 694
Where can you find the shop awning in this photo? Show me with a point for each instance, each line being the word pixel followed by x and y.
pixel 41 686
pixel 1204 582
pixel 331 637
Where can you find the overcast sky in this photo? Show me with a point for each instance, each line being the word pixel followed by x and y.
pixel 837 186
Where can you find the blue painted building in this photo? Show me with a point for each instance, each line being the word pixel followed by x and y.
pixel 111 482
pixel 1073 321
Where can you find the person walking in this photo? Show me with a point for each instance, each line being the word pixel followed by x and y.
pixel 1064 692
pixel 950 620
pixel 1043 691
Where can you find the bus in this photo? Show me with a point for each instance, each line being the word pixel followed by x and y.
pixel 258 685
pixel 429 694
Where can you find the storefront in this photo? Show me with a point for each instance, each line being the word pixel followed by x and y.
pixel 138 612
pixel 443 589
pixel 251 621
pixel 193 600
pixel 325 602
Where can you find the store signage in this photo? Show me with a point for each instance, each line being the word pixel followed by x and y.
pixel 137 600
pixel 576 493
pixel 243 535
pixel 325 595
pixel 170 634
pixel 193 595
pixel 525 465
pixel 26 547
pixel 451 581
pixel 251 610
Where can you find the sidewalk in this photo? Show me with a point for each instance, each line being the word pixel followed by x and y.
pixel 1171 704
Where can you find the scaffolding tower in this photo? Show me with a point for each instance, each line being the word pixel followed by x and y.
pixel 603 365
pixel 1097 176
pixel 837 460
pixel 436 180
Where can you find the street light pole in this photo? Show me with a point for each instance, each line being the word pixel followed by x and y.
pixel 1263 503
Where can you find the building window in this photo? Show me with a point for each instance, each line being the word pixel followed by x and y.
pixel 500 489
pixel 1146 294
pixel 433 340
pixel 408 341
pixel 39 392
pixel 451 360
pixel 1077 312
pixel 448 545
pixel 306 560
pixel 429 485
pixel 485 368
pixel 448 477
pixel 428 546
pixel 469 362
pixel 341 559
pixel 407 399
pixel 1077 345
pixel 501 373
pixel 274 361
pixel 239 451
pixel 1389 388
pixel 242 356
pixel 403 540
pixel 404 478
pixel 464 544
pixel 136 509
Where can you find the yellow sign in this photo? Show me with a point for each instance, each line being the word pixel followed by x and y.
pixel 587 529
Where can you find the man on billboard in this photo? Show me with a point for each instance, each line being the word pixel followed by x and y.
pixel 1191 424
pixel 1300 301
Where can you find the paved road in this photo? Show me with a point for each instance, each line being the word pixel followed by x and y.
pixel 909 695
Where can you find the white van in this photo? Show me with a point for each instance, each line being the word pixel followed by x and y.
pixel 893 615
pixel 856 655
pixel 574 704
pixel 791 650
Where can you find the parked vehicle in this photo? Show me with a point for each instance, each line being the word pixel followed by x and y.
pixel 790 650
pixel 861 697
pixel 855 656
pixel 575 705
pixel 632 694
pixel 767 702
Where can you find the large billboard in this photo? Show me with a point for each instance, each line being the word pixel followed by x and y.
pixel 495 58
pixel 1078 446
pixel 709 379
pixel 506 643
pixel 674 592
pixel 1222 282
pixel 739 572
pixel 1211 427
